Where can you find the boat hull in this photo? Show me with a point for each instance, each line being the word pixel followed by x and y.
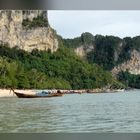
pixel 22 95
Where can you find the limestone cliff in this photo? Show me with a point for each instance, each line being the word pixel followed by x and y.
pixel 110 52
pixel 13 32
pixel 83 50
pixel 82 44
pixel 132 65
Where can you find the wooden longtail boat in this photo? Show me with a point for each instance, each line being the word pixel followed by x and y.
pixel 48 95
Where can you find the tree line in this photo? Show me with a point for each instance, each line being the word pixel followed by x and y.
pixel 62 69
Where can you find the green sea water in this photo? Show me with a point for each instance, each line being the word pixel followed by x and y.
pixel 106 112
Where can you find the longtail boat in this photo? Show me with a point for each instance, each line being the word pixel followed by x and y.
pixel 42 94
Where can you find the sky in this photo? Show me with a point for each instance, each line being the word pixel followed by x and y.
pixel 70 24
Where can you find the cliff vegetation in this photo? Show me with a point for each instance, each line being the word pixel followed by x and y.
pixel 44 70
pixel 38 21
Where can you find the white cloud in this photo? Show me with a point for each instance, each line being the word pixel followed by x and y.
pixel 71 24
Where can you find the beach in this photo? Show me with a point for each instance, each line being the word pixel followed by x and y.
pixel 8 93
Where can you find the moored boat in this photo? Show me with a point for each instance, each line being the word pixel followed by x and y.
pixel 42 94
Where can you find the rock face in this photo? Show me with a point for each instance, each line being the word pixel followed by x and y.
pixel 83 50
pixel 132 65
pixel 13 32
pixel 80 51
pixel 82 44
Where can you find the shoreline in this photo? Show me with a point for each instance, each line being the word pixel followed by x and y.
pixel 9 93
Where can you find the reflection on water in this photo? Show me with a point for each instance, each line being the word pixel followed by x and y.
pixel 72 113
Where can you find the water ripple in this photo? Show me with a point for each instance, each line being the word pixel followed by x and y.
pixel 72 113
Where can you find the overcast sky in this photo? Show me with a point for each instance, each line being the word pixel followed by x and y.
pixel 70 24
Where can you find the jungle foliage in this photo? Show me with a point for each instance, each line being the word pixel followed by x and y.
pixel 62 69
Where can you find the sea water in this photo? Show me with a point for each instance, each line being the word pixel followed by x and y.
pixel 105 112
